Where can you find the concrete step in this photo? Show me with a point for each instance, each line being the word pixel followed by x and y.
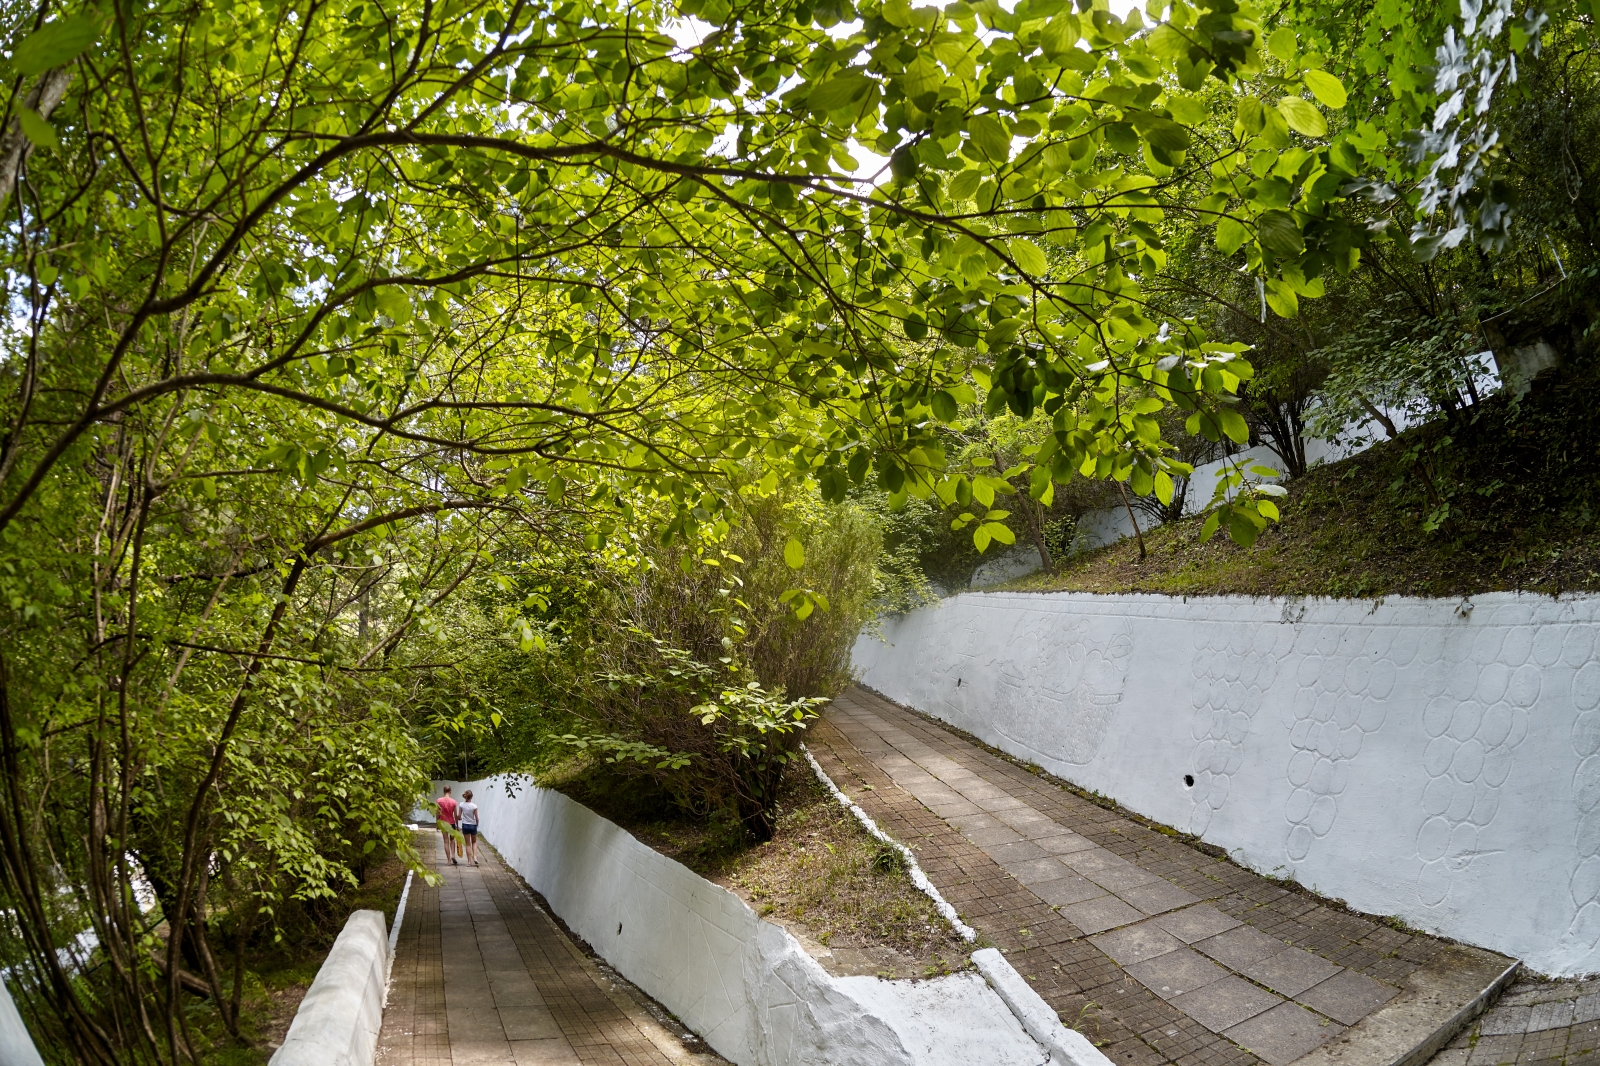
pixel 1436 1002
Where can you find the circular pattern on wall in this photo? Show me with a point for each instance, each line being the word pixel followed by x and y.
pixel 1342 686
pixel 1479 688
pixel 1235 665
pixel 1584 884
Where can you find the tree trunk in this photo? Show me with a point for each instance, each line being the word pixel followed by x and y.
pixel 1137 535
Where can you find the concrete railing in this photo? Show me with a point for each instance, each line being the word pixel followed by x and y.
pixel 336 1025
pixel 338 1021
pixel 745 985
pixel 1434 760
pixel 16 1046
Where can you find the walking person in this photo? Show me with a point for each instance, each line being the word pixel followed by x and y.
pixel 469 825
pixel 449 815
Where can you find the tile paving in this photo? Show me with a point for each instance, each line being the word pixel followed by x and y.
pixel 1159 952
pixel 1536 1023
pixel 483 977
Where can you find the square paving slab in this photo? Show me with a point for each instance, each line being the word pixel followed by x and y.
pixel 483 977
pixel 1197 923
pixel 1225 1003
pixel 1348 997
pixel 1106 942
pixel 1292 971
pixel 1172 974
pixel 1284 1033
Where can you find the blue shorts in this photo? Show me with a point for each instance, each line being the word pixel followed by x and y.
pixel 470 830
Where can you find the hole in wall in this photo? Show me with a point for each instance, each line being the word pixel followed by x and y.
pixel 619 928
pixel 1188 782
pixel 958 682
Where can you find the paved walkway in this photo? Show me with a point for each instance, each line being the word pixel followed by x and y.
pixel 1154 949
pixel 1536 1023
pixel 483 977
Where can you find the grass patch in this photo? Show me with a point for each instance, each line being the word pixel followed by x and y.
pixel 845 894
pixel 1505 499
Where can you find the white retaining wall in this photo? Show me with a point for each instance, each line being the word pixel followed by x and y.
pixel 337 1022
pixel 16 1045
pixel 1434 760
pixel 745 985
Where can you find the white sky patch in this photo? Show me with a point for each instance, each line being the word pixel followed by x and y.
pixel 688 32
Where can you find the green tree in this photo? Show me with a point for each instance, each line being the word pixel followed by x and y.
pixel 313 305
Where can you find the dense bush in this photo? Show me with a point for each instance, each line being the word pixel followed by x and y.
pixel 695 666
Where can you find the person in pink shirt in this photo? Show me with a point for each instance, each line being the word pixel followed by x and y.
pixel 448 813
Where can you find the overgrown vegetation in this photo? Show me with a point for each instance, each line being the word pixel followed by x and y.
pixel 695 666
pixel 821 873
pixel 1514 478
pixel 283 961
pixel 386 387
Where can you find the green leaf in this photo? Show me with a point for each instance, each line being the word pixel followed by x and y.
pixel 1164 488
pixel 1281 43
pixel 1163 133
pixel 998 532
pixel 1282 299
pixel 794 554
pixel 1244 525
pixel 1122 137
pixel 944 406
pixel 903 164
pixel 1059 36
pixel 1029 256
pixel 1302 116
pixel 1231 235
pixel 990 138
pixel 1168 42
pixel 1326 88
pixel 36 129
pixel 841 90
pixel 1279 233
pixel 963 185
pixel 60 42
pixel 1252 116
pixel 1234 425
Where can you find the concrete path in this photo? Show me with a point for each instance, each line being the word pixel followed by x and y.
pixel 483 977
pixel 1157 950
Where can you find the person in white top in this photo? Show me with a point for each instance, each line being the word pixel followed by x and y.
pixel 467 811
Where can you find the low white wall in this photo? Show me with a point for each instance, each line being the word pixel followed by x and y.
pixel 337 1023
pixel 745 985
pixel 1002 564
pixel 1434 760
pixel 16 1045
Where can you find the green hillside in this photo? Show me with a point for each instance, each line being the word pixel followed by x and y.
pixel 1503 497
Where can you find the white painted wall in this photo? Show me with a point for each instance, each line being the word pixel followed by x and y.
pixel 1001 564
pixel 337 1022
pixel 16 1045
pixel 745 985
pixel 1099 528
pixel 1415 758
